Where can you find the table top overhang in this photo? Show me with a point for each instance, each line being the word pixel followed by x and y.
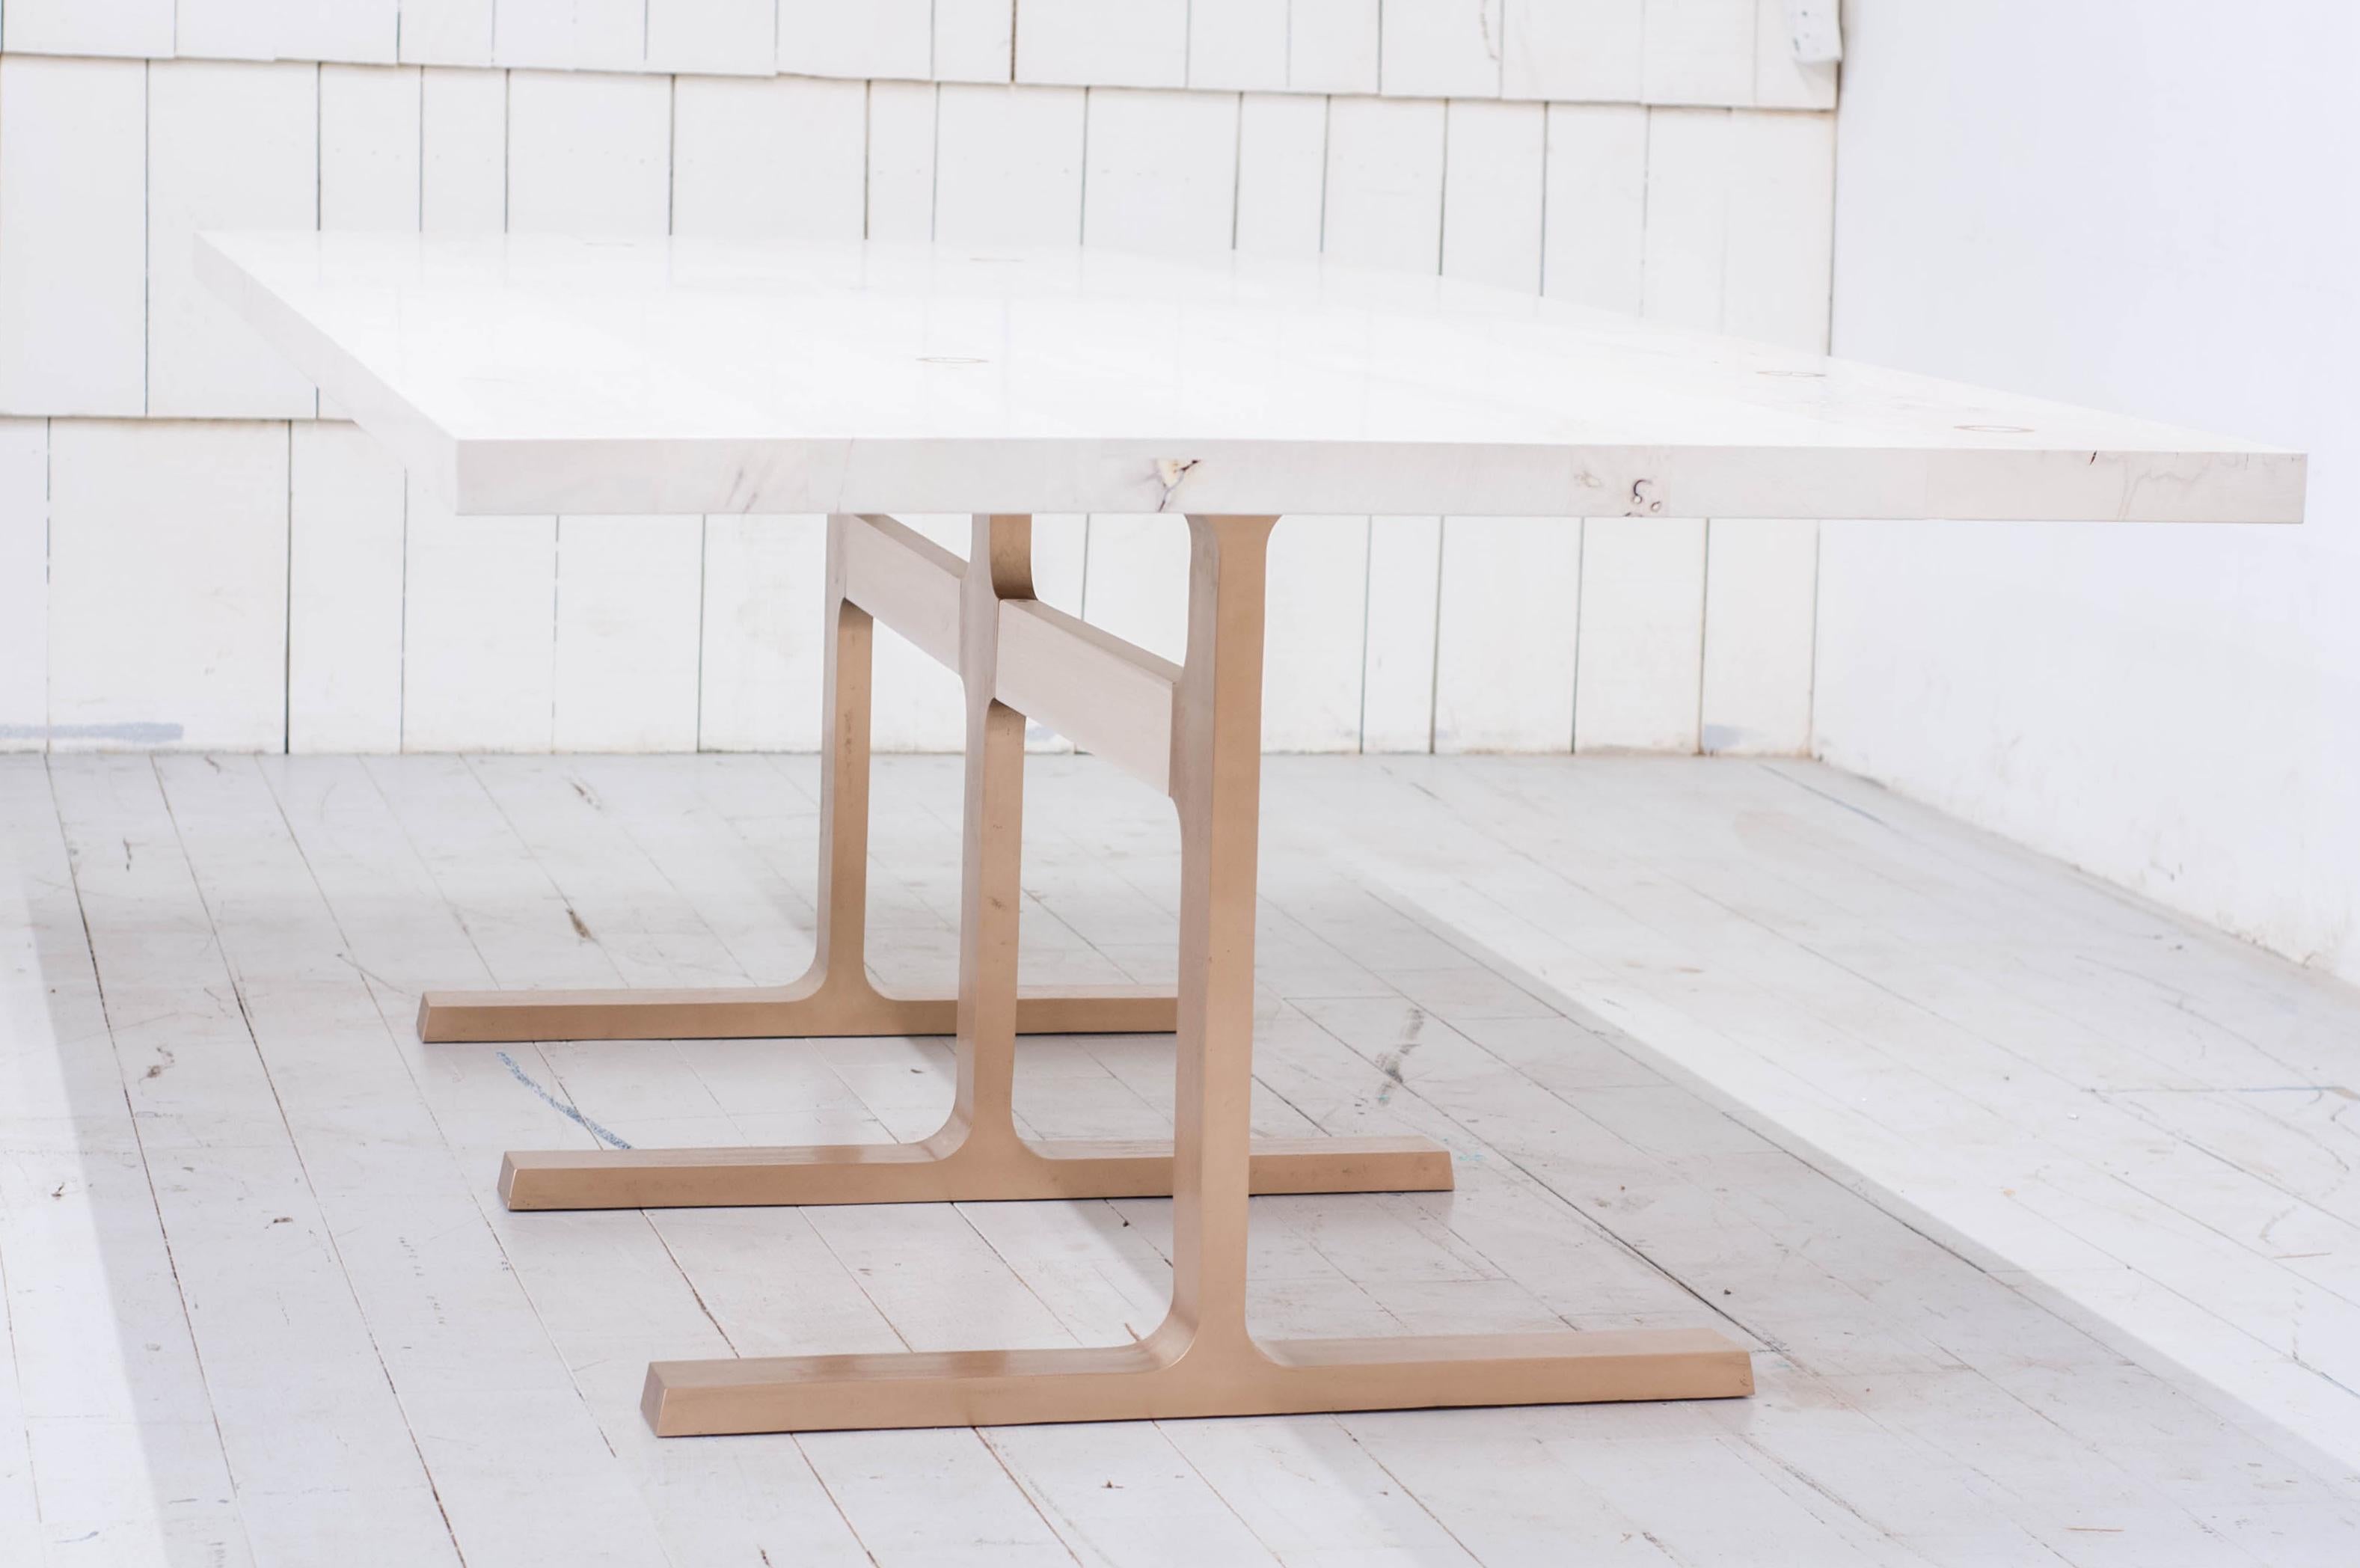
pixel 537 374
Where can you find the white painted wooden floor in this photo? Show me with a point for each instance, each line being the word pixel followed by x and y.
pixel 2037 1202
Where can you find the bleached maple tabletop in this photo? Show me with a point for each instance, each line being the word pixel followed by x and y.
pixel 547 375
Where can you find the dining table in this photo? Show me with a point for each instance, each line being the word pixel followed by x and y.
pixel 649 377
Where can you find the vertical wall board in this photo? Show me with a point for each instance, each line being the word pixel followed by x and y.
pixel 1061 551
pixel 629 593
pixel 1281 172
pixel 1582 50
pixel 1137 583
pixel 345 514
pixel 1236 45
pixel 1593 242
pixel 1505 636
pixel 1781 226
pixel 1331 46
pixel 1009 165
pixel 479 630
pixel 1762 578
pixel 73 222
pixel 137 29
pixel 759 673
pixel 589 153
pixel 355 32
pixel 24 585
pixel 463 156
pixel 1699 51
pixel 229 146
pixel 229 30
pixel 975 40
pixel 1780 81
pixel 716 37
pixel 1491 193
pixel 901 161
pixel 1384 182
pixel 1397 665
pixel 1759 605
pixel 1317 639
pixel 1162 170
pixel 1641 634
pixel 167 583
pixel 1688 216
pixel 570 35
pixel 1439 48
pixel 369 146
pixel 446 32
pixel 1089 43
pixel 769 156
pixel 874 38
pixel 920 707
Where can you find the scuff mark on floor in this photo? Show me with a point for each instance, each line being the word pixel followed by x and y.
pixel 564 1107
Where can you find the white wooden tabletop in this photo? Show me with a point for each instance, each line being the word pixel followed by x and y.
pixel 522 373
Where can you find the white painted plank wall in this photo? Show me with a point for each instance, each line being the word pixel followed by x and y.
pixel 1409 634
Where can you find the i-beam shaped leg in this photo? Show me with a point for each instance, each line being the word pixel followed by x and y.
pixel 836 996
pixel 1202 1361
pixel 955 611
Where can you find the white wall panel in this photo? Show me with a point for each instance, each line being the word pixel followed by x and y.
pixel 589 153
pixel 920 707
pixel 628 596
pixel 1332 46
pixel 446 32
pixel 1384 182
pixel 1505 639
pixel 229 29
pixel 901 161
pixel 24 585
pixel 1137 581
pixel 1281 172
pixel 1761 593
pixel 1687 215
pixel 1103 43
pixel 140 29
pixel 1316 641
pixel 368 147
pixel 74 220
pixel 1699 51
pixel 769 156
pixel 1162 170
pixel 1440 49
pixel 358 32
pixel 975 40
pixel 1594 236
pixel 875 37
pixel 1584 51
pixel 345 515
pixel 570 35
pixel 764 648
pixel 723 38
pixel 1397 665
pixel 1780 178
pixel 167 583
pixel 1491 193
pixel 478 635
pixel 462 151
pixel 1009 165
pixel 229 146
pixel 1780 81
pixel 1641 634
pixel 1237 44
